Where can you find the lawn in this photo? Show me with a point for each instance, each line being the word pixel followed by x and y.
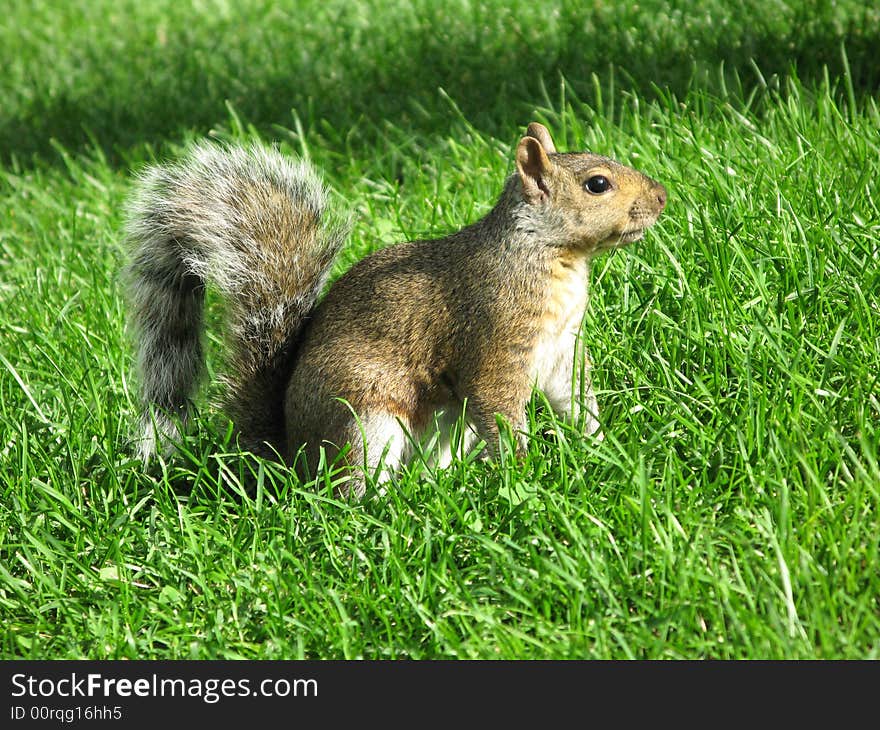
pixel 733 509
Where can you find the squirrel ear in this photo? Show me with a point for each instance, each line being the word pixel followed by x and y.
pixel 540 133
pixel 533 167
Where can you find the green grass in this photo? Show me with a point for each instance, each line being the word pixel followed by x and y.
pixel 733 509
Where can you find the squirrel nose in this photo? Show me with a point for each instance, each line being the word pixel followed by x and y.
pixel 661 196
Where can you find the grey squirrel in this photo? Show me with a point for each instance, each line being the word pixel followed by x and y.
pixel 409 337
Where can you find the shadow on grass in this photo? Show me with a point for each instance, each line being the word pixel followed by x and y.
pixel 152 91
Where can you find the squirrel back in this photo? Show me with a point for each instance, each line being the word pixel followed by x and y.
pixel 251 223
pixel 410 335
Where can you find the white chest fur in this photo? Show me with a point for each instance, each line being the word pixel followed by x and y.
pixel 553 355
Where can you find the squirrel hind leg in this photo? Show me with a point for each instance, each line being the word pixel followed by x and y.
pixel 380 444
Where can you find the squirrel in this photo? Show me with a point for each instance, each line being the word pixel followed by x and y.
pixel 411 336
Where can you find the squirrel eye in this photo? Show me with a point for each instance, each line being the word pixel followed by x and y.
pixel 597 184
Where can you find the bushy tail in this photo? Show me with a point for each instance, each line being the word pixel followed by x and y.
pixel 250 223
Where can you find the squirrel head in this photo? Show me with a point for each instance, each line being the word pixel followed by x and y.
pixel 590 202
